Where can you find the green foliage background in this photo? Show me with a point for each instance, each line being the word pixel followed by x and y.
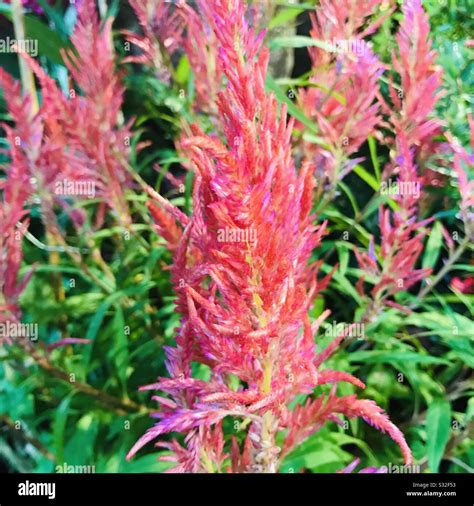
pixel 418 367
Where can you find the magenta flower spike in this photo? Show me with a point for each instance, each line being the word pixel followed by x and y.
pixel 75 138
pixel 344 85
pixel 244 283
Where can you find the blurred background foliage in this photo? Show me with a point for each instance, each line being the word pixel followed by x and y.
pixel 418 367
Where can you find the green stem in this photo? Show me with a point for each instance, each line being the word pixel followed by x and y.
pixel 447 267
pixel 27 80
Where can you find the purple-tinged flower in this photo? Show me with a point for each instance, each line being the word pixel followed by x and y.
pixel 244 283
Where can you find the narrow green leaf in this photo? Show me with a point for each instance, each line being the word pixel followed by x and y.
pixel 59 426
pixel 367 177
pixel 395 356
pixel 292 109
pixel 299 41
pixel 284 16
pixel 120 346
pixel 343 253
pixel 438 427
pixel 350 196
pixel 433 246
pixel 373 156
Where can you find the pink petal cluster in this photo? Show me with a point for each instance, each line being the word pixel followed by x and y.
pixel 344 84
pixel 15 190
pixel 402 236
pixel 245 282
pixel 76 138
pixel 162 25
pixel 420 78
pixel 167 29
pixel 201 47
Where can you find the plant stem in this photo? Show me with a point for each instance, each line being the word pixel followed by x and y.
pixel 120 406
pixel 26 75
pixel 29 438
pixel 447 267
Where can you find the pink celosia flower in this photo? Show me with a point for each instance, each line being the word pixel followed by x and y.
pixel 462 162
pixel 401 235
pixel 162 24
pixel 346 20
pixel 420 78
pixel 82 137
pixel 168 28
pixel 201 47
pixel 244 283
pixel 344 85
pixel 15 190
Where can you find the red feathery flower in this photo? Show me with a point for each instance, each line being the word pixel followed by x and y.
pixel 82 132
pixel 244 282
pixel 344 86
pixel 401 235
pixel 420 78
pixel 162 25
pixel 15 190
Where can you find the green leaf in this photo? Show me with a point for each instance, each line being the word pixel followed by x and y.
pixel 183 70
pixel 315 139
pixel 59 426
pixel 367 177
pixel 433 246
pixel 350 196
pixel 120 346
pixel 80 447
pixel 343 252
pixel 49 42
pixel 298 41
pixel 284 16
pixel 438 427
pixel 395 356
pixel 373 156
pixel 292 109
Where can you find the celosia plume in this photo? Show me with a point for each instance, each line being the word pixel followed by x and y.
pixel 15 189
pixel 245 283
pixel 402 236
pixel 162 25
pixel 420 78
pixel 401 233
pixel 76 138
pixel 344 85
